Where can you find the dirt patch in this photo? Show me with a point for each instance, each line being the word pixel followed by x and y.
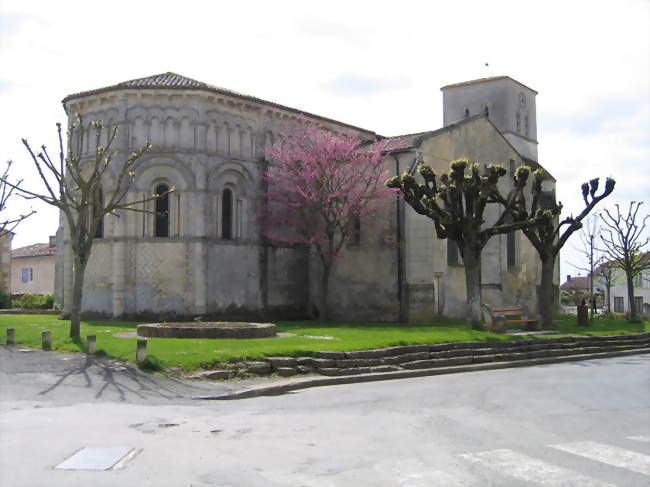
pixel 126 334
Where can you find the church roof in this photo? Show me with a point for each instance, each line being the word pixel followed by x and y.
pixel 486 80
pixel 409 141
pixel 173 81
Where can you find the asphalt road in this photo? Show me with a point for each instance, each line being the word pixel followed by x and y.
pixel 575 424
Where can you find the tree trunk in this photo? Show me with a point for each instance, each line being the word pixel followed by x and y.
pixel 324 291
pixel 630 296
pixel 546 299
pixel 77 291
pixel 472 261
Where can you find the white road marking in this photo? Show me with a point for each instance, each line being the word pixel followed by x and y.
pixel 611 455
pixel 414 473
pixel 531 470
pixel 639 438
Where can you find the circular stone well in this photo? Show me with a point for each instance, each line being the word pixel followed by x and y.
pixel 209 329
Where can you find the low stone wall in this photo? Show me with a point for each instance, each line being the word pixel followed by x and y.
pixel 412 357
pixel 207 330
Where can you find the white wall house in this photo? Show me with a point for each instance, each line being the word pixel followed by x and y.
pixel 32 268
pixel 619 299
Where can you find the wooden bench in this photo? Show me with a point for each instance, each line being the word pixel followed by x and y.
pixel 511 311
pixel 514 311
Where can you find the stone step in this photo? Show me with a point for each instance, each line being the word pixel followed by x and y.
pixel 413 357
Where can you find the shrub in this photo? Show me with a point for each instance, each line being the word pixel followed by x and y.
pixel 5 300
pixel 33 301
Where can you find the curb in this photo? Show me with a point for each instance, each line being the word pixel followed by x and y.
pixel 307 383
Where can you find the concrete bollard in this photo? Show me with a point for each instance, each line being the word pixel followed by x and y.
pixel 47 340
pixel 11 336
pixel 141 350
pixel 91 344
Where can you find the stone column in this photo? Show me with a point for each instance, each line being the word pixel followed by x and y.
pixel 201 130
pixel 198 259
pixel 119 266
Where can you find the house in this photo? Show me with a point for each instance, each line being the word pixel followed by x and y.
pixel 202 252
pixel 576 288
pixel 32 268
pixel 619 296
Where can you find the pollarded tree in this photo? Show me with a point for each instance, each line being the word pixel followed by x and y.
pixel 456 203
pixel 319 185
pixel 73 184
pixel 547 235
pixel 624 241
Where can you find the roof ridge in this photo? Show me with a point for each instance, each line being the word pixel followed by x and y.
pixel 173 81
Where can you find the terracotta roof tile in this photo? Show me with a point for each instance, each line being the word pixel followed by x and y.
pixel 578 282
pixel 35 250
pixel 173 81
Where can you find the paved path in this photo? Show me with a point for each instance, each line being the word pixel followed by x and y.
pixel 574 424
pixel 50 378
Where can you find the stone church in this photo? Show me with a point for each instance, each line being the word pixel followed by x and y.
pixel 198 252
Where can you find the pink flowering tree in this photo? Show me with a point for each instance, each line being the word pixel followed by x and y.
pixel 319 184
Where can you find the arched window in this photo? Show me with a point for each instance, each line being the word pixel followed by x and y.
pixel 161 226
pixel 99 229
pixel 518 122
pixel 452 252
pixel 226 214
pixel 526 125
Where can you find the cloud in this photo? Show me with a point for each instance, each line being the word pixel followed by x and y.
pixel 5 86
pixel 602 114
pixel 10 23
pixel 326 29
pixel 358 85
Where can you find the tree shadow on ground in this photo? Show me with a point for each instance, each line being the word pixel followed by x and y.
pixel 126 381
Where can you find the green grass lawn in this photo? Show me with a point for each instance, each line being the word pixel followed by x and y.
pixel 310 336
pixel 567 324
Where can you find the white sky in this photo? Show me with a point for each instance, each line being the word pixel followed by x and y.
pixel 378 65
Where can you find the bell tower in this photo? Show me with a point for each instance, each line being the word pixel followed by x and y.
pixel 509 104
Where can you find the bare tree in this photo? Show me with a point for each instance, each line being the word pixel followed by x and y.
pixel 624 241
pixel 607 277
pixel 588 248
pixel 7 190
pixel 75 185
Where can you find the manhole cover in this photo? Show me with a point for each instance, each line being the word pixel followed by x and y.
pixel 95 458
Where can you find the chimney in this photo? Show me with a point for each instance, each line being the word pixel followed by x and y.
pixel 568 277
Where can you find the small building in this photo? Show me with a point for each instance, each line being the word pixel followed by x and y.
pixel 576 288
pixel 32 268
pixel 620 302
